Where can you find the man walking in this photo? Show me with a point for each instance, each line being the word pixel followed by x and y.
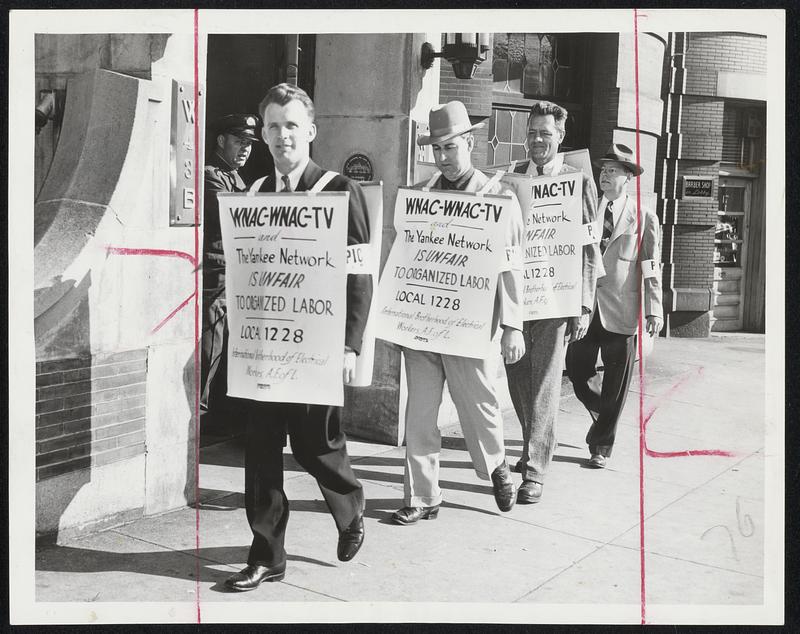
pixel 632 268
pixel 535 381
pixel 317 440
pixel 470 380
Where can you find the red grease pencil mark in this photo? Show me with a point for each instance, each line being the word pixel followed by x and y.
pixel 688 452
pixel 642 439
pixel 156 252
pixel 172 314
pixel 196 315
pixel 168 253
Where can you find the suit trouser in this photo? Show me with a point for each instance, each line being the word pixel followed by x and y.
pixel 471 385
pixel 603 397
pixel 534 383
pixel 214 349
pixel 319 446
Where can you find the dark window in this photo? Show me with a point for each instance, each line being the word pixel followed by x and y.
pixel 527 67
pixel 539 65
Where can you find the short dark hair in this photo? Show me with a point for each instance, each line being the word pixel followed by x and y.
pixel 544 108
pixel 283 94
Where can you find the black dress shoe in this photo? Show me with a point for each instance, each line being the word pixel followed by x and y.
pixel 529 492
pixel 503 486
pixel 350 539
pixel 413 514
pixel 252 576
pixel 597 461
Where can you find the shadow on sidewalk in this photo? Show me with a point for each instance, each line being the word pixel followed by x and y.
pixel 379 461
pixel 178 564
pixel 380 509
pixel 513 453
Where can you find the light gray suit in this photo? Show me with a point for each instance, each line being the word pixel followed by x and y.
pixel 619 292
pixel 470 382
pixel 620 296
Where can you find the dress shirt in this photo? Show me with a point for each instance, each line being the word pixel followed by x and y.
pixel 294 176
pixel 551 168
pixel 617 206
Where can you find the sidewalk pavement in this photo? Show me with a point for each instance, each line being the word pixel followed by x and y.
pixel 704 526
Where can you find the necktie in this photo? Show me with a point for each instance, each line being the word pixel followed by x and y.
pixel 287 186
pixel 540 170
pixel 608 227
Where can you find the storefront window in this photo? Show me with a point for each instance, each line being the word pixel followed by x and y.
pixel 730 226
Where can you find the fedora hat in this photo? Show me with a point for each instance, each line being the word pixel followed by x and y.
pixel 621 154
pixel 447 121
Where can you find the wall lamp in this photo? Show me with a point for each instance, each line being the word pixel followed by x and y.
pixel 463 50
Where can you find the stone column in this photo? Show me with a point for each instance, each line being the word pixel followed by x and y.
pixel 366 89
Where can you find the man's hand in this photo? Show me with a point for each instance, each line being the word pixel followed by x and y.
pixel 349 369
pixel 512 345
pixel 577 327
pixel 653 325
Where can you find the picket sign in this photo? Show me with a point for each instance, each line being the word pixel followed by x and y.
pixel 373 194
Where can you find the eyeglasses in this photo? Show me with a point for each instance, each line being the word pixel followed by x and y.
pixel 612 171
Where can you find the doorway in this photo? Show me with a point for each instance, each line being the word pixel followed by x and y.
pixel 730 252
pixel 240 69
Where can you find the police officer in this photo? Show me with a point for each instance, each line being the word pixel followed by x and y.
pixel 235 134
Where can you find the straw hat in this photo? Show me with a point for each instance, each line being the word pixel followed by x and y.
pixel 621 154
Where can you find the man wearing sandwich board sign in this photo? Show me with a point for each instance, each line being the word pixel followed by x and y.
pixel 309 319
pixel 452 277
pixel 562 263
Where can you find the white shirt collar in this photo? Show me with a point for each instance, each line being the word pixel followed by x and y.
pixel 294 176
pixel 617 206
pixel 553 167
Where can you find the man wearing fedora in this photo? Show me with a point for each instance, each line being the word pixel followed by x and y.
pixel 535 381
pixel 234 135
pixel 470 380
pixel 630 247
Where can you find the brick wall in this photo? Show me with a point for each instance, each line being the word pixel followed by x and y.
pixel 725 51
pixel 693 269
pixel 89 411
pixel 709 53
pixel 693 145
pixel 475 94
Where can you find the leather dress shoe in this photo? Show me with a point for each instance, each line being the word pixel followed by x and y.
pixel 350 539
pixel 529 492
pixel 503 486
pixel 413 514
pixel 252 576
pixel 597 461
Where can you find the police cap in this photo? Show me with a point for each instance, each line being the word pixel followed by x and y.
pixel 242 125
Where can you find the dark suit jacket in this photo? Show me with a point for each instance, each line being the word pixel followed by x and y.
pixel 592 259
pixel 217 177
pixel 359 287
